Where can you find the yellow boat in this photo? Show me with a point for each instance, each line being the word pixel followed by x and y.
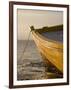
pixel 50 48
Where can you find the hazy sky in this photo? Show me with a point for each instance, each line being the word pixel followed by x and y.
pixel 38 19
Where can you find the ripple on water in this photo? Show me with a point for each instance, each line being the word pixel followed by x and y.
pixel 31 65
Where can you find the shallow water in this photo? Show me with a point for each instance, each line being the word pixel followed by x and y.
pixel 30 65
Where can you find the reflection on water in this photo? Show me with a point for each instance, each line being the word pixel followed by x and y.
pixel 30 65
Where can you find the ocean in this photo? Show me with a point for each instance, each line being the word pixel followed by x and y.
pixel 30 65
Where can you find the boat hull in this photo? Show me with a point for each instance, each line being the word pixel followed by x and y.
pixel 51 50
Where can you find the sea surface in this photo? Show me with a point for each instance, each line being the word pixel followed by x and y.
pixel 30 65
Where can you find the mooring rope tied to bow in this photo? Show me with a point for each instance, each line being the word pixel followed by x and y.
pixel 25 46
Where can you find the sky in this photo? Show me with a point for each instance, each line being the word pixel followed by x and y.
pixel 38 19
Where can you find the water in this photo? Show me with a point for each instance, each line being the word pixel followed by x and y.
pixel 30 65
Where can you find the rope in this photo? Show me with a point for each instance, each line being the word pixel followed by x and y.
pixel 25 46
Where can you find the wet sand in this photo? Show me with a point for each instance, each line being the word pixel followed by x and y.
pixel 30 65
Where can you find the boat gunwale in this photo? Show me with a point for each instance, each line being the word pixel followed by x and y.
pixel 54 44
pixel 49 29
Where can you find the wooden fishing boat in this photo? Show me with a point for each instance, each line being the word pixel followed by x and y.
pixel 51 45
